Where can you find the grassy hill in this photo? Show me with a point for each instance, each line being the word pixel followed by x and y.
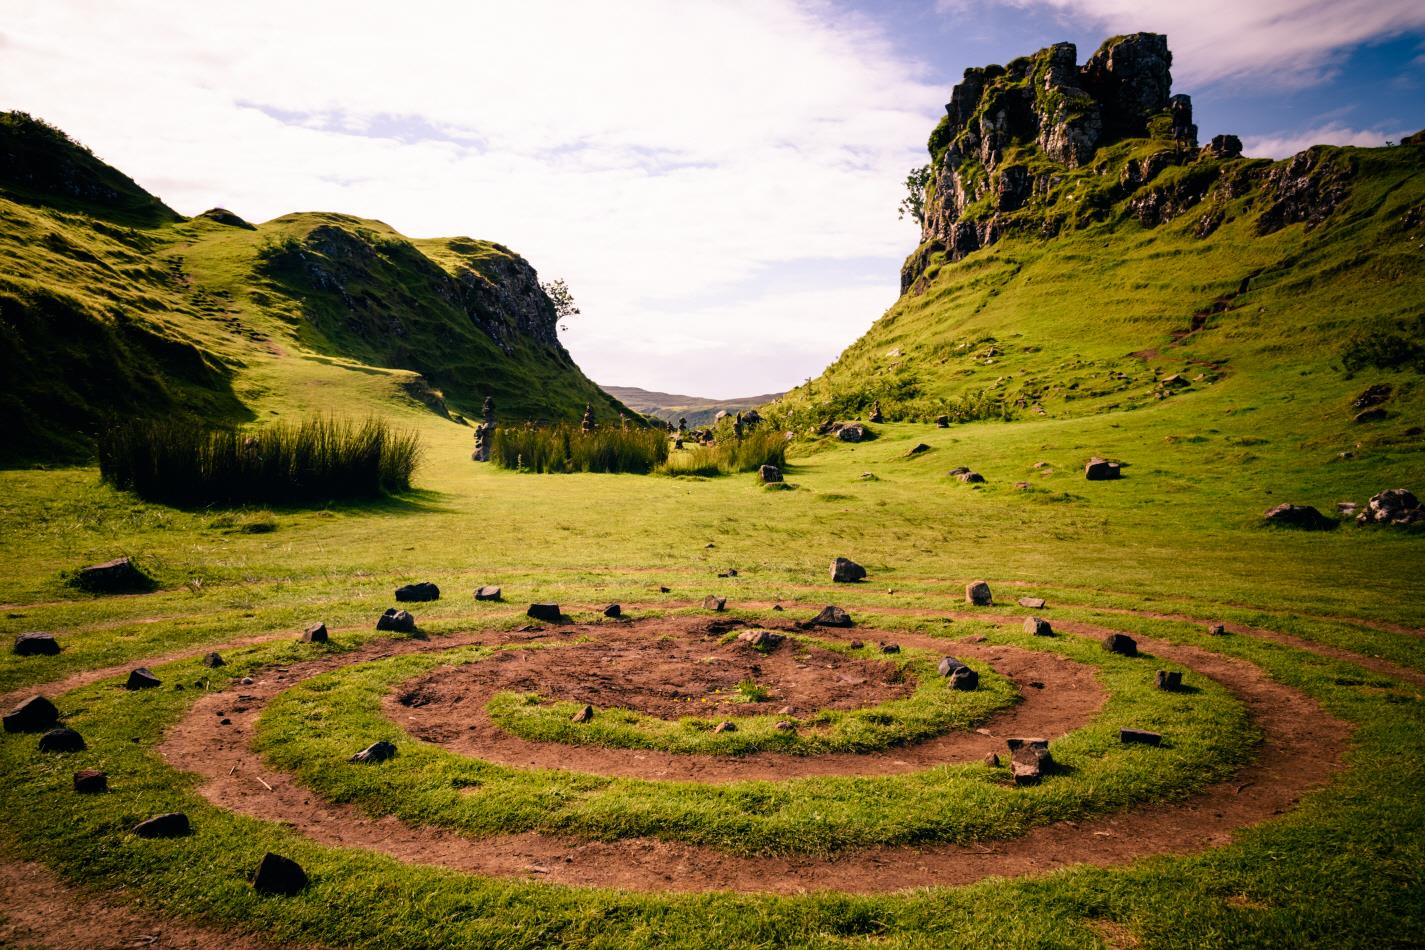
pixel 670 407
pixel 113 305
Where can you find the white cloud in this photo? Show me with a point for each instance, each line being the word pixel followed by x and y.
pixel 1289 143
pixel 641 149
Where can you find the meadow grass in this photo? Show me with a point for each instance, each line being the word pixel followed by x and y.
pixel 729 455
pixel 567 448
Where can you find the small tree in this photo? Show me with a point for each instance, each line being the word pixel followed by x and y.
pixel 558 293
pixel 913 203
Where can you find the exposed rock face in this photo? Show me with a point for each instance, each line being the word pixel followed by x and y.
pixel 1395 506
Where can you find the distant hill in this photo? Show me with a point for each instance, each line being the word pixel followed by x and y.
pixel 670 407
pixel 113 305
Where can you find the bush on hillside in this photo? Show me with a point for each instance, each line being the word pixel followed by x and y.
pixel 567 448
pixel 320 459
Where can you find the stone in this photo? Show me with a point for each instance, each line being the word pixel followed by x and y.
pixel 890 647
pixel 35 644
pixel 1300 517
pixel 396 621
pixel 1224 147
pixel 726 726
pixel 1374 414
pixel 214 660
pixel 855 432
pixel 1033 603
pixel 846 571
pixel 315 633
pixel 769 474
pixel 1174 381
pixel 1038 626
pixel 949 665
pixel 918 449
pixel 548 613
pixel 875 413
pixel 1101 470
pixel 761 639
pixel 978 594
pixel 583 715
pixel 1394 506
pixel 32 715
pixel 1029 759
pixel 961 676
pixel 1372 396
pixel 488 592
pixel 120 575
pixel 172 825
pixel 1120 643
pixel 62 740
pixel 1022 486
pixel 1140 736
pixel 971 478
pixel 90 782
pixel 1169 680
pixel 613 611
pixel 942 421
pixel 992 760
pixel 378 751
pixel 1216 630
pixel 665 590
pixel 714 602
pixel 142 678
pixel 957 471
pixel 278 875
pixel 785 725
pixel 832 616
pixel 424 591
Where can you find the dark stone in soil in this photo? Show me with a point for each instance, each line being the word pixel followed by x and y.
pixel 583 715
pixel 398 621
pixel 964 679
pixel 890 648
pixel 665 590
pixel 90 782
pixel 971 478
pixel 142 678
pixel 172 825
pixel 1033 603
pixel 832 616
pixel 992 760
pixel 1169 680
pixel 421 592
pixel 35 644
pixel 1394 506
pixel 1120 643
pixel 316 633
pixel 214 660
pixel 488 592
pixel 978 594
pixel 62 740
pixel 613 611
pixel 1038 626
pixel 376 752
pixel 1301 517
pixel 1029 759
pixel 846 571
pixel 856 644
pixel 1140 736
pixel 714 602
pixel 785 725
pixel 761 639
pixel 726 726
pixel 949 665
pixel 1101 470
pixel 548 613
pixel 278 875
pixel 32 715
pixel 118 576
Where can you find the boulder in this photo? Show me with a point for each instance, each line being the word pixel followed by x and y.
pixel 1140 736
pixel 583 715
pixel 118 576
pixel 761 639
pixel 978 594
pixel 1038 626
pixel 855 432
pixel 992 760
pixel 214 660
pixel 1224 147
pixel 62 740
pixel 378 751
pixel 421 592
pixel 32 715
pixel 1100 470
pixel 278 875
pixel 942 421
pixel 714 602
pixel 1120 643
pixel 832 616
pixel 1394 506
pixel 917 449
pixel 1170 680
pixel 726 726
pixel 846 571
pixel 488 592
pixel 35 644
pixel 1029 759
pixel 315 633
pixel 142 678
pixel 90 782
pixel 613 611
pixel 965 679
pixel 949 665
pixel 172 825
pixel 397 621
pixel 1301 517
pixel 1033 603
pixel 769 474
pixel 548 613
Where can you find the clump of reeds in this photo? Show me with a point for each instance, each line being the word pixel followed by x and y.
pixel 730 455
pixel 566 448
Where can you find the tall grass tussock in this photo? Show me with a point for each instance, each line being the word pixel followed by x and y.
pixel 567 448
pixel 729 456
pixel 318 459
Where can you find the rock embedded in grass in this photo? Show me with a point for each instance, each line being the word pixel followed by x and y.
pixel 32 715
pixel 854 432
pixel 1169 680
pixel 315 633
pixel 714 602
pixel 1032 603
pixel 961 677
pixel 1101 470
pixel 90 782
pixel 1139 736
pixel 1216 630
pixel 118 576
pixel 1120 643
pixel 35 644
pixel 992 760
pixel 62 740
pixel 917 449
pixel 769 474
pixel 583 715
pixel 971 478
pixel 142 678
pixel 488 592
pixel 214 660
pixel 890 647
pixel 832 616
pixel 613 611
pixel 548 613
pixel 172 825
pixel 846 571
pixel 424 591
pixel 977 594
pixel 278 875
pixel 1300 517
pixel 1038 626
pixel 397 621
pixel 1029 759
pixel 378 751
pixel 726 726
pixel 761 639
pixel 1394 506
pixel 785 725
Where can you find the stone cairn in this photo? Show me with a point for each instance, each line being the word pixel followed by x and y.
pixel 737 427
pixel 682 432
pixel 875 415
pixel 587 423
pixel 485 432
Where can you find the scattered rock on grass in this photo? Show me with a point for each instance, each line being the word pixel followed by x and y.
pixel 142 678
pixel 855 432
pixel 761 639
pixel 90 782
pixel 714 602
pixel 890 647
pixel 32 715
pixel 423 591
pixel 726 726
pixel 1394 506
pixel 118 576
pixel 488 592
pixel 917 449
pixel 1120 643
pixel 549 613
pixel 378 751
pixel 769 474
pixel 832 616
pixel 977 593
pixel 1140 736
pixel 846 571
pixel 942 421
pixel 992 760
pixel 1169 680
pixel 172 825
pixel 316 633
pixel 35 644
pixel 278 875
pixel 1038 626
pixel 214 660
pixel 1101 470
pixel 583 715
pixel 1216 630
pixel 1033 603
pixel 1301 517
pixel 961 676
pixel 62 740
pixel 971 478
pixel 397 621
pixel 613 611
pixel 1029 759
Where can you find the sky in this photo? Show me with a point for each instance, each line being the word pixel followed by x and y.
pixel 716 181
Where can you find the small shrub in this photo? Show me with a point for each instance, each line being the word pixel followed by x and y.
pixel 567 448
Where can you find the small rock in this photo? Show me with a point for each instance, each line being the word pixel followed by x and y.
pixel 942 421
pixel 1120 643
pixel 964 679
pixel 35 644
pixel 949 665
pixel 917 449
pixel 32 715
pixel 423 591
pixel 856 644
pixel 378 751
pixel 846 571
pixel 1301 517
pixel 172 825
pixel 726 726
pixel 832 616
pixel 247 681
pixel 971 478
pixel 583 715
pixel 992 760
pixel 1101 470
pixel 214 660
pixel 855 432
pixel 316 633
pixel 761 639
pixel 1372 396
pixel 785 725
pixel 142 678
pixel 1216 630
pixel 278 875
pixel 90 782
pixel 890 647
pixel 769 474
pixel 62 740
pixel 1029 759
pixel 777 608
pixel 665 590
pixel 120 575
pixel 397 621
pixel 1033 603
pixel 1394 506
pixel 613 611
pixel 1038 626
pixel 487 592
pixel 714 602
pixel 1169 680
pixel 1141 736
pixel 1022 486
pixel 1174 381
pixel 548 613
pixel 978 594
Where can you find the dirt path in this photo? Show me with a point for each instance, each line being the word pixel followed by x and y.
pixel 1301 751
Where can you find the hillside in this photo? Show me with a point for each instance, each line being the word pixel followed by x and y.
pixel 114 305
pixel 670 407
pixel 1081 255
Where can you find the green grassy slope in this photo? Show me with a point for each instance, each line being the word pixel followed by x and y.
pixel 113 305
